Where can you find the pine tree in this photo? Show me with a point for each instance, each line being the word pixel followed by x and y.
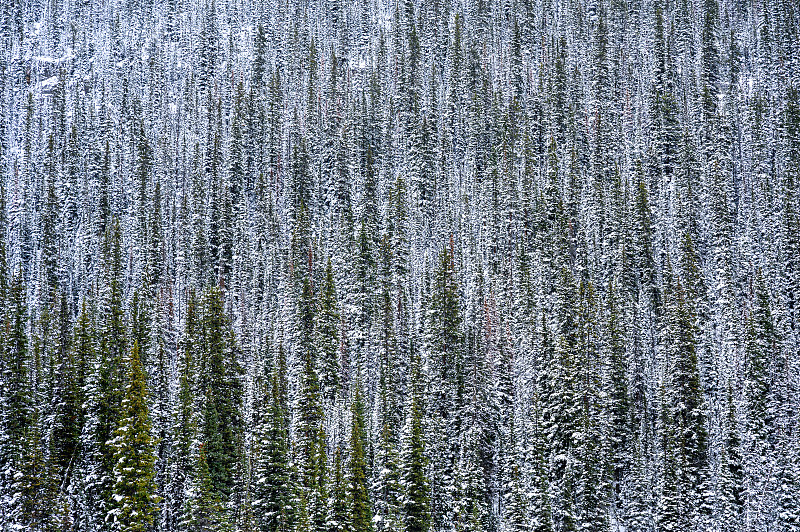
pixel 562 407
pixel 617 406
pixel 106 401
pixel 133 493
pixel 317 499
pixel 686 455
pixel 49 238
pixel 33 489
pixel 339 516
pixel 445 343
pixel 327 340
pixel 18 409
pixel 541 509
pixel 760 341
pixel 309 409
pixel 592 483
pixel 415 498
pixel 204 509
pixel 222 388
pixel 273 476
pixel 360 509
pixel 17 397
pixel 515 498
pixel 67 400
pixel 445 335
pixel 731 472
pixel 184 430
pixel 386 463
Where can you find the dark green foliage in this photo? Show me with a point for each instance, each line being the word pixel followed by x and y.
pixel 18 407
pixel 220 383
pixel 133 505
pixel 204 510
pixel 415 498
pixel 760 344
pixel 685 434
pixel 67 397
pixel 360 509
pixel 445 336
pixel 339 515
pixel 386 464
pixel 273 476
pixel 309 410
pixel 327 331
pixel 618 403
pixel 184 430
pixel 112 350
pixel 34 484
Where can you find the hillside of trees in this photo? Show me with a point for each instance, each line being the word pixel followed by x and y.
pixel 414 266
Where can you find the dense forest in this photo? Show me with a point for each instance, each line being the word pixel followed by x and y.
pixel 418 266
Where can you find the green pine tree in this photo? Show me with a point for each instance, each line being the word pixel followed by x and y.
pixel 18 407
pixel 339 516
pixel 309 409
pixel 221 386
pixel 204 511
pixel 327 331
pixel 273 476
pixel 684 415
pixel 134 503
pixel 360 509
pixel 386 481
pixel 415 498
pixel 617 405
pixel 67 400
pixel 731 472
pixel 184 430
pixel 106 402
pixel 761 341
pixel 34 482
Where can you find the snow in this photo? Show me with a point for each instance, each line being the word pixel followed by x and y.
pixel 49 83
pixel 43 59
pixel 108 99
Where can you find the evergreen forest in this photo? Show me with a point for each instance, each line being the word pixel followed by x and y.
pixel 399 266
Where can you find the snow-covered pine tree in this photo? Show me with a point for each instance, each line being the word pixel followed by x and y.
pixel 133 500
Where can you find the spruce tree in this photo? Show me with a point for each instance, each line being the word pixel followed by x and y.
pixel 339 515
pixel 541 509
pixel 18 404
pixel 360 509
pixel 309 409
pixel 222 389
pixel 415 498
pixel 20 438
pixel 204 511
pixel 327 339
pixel 66 399
pixel 760 342
pixel 731 472
pixel 133 506
pixel 34 483
pixel 386 463
pixel 106 403
pixel 617 405
pixel 184 430
pixel 273 476
pixel 686 453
